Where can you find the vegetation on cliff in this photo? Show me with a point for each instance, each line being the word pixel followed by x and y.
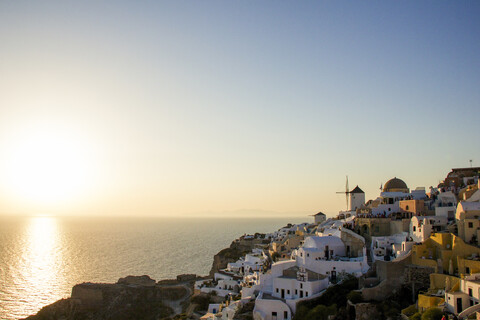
pixel 331 302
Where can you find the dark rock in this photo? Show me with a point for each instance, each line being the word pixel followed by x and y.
pixel 137 280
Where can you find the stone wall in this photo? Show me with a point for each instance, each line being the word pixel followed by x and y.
pixel 392 270
pixel 399 226
pixel 366 311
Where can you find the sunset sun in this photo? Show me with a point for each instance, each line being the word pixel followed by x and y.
pixel 48 167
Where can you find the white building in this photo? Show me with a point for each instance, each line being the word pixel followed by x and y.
pixel 223 285
pixel 445 205
pixel 391 247
pixel 269 308
pixel 297 283
pixel 250 263
pixel 319 217
pixel 327 255
pixel 421 227
pixel 294 284
pixel 467 296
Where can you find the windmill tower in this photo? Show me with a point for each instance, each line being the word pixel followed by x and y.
pixel 356 197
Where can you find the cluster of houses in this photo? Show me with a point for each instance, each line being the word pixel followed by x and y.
pixel 437 231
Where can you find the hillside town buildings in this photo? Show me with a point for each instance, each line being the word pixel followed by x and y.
pixel 404 237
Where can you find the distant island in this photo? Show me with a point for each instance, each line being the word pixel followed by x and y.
pixel 408 254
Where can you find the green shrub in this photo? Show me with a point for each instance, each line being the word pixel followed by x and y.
pixel 202 302
pixel 355 297
pixel 410 310
pixel 334 295
pixel 320 312
pixel 432 314
pixel 416 316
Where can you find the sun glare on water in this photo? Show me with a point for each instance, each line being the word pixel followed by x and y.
pixel 41 262
pixel 47 167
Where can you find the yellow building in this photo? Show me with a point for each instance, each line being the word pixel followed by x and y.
pixel 455 263
pixel 447 253
pixel 468 221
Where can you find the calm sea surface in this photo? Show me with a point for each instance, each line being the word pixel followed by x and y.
pixel 42 258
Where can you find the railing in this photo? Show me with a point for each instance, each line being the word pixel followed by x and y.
pixel 470 310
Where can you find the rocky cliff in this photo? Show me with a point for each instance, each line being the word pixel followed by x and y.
pixel 129 298
pixel 237 249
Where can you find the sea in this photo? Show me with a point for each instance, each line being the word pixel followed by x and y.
pixel 42 258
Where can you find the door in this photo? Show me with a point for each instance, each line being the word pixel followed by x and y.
pixel 283 293
pixel 459 305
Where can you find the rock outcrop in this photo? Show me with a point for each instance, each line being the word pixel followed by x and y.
pixel 129 298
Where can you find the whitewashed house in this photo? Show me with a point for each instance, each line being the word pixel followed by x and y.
pixel 466 297
pixel 294 284
pixel 445 205
pixel 421 227
pixel 327 255
pixel 269 308
pixel 388 248
pixel 222 284
pixel 250 263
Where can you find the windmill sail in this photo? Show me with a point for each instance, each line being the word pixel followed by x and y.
pixel 347 191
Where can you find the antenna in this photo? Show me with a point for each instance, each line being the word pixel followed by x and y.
pixel 347 191
pixel 470 163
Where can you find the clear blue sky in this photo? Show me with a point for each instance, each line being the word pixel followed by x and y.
pixel 177 107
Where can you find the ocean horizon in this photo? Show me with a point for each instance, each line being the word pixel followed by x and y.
pixel 42 258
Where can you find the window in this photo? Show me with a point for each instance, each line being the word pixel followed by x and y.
pixel 306 293
pixel 274 314
pixel 301 285
pixel 288 291
pixel 296 291
pixel 467 270
pixel 406 208
pixel 308 254
pixel 470 293
pixel 470 224
pixel 277 290
pixel 285 314
pixel 414 228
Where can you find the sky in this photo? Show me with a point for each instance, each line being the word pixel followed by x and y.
pixel 161 108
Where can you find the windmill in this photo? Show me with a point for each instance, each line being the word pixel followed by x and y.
pixel 347 191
